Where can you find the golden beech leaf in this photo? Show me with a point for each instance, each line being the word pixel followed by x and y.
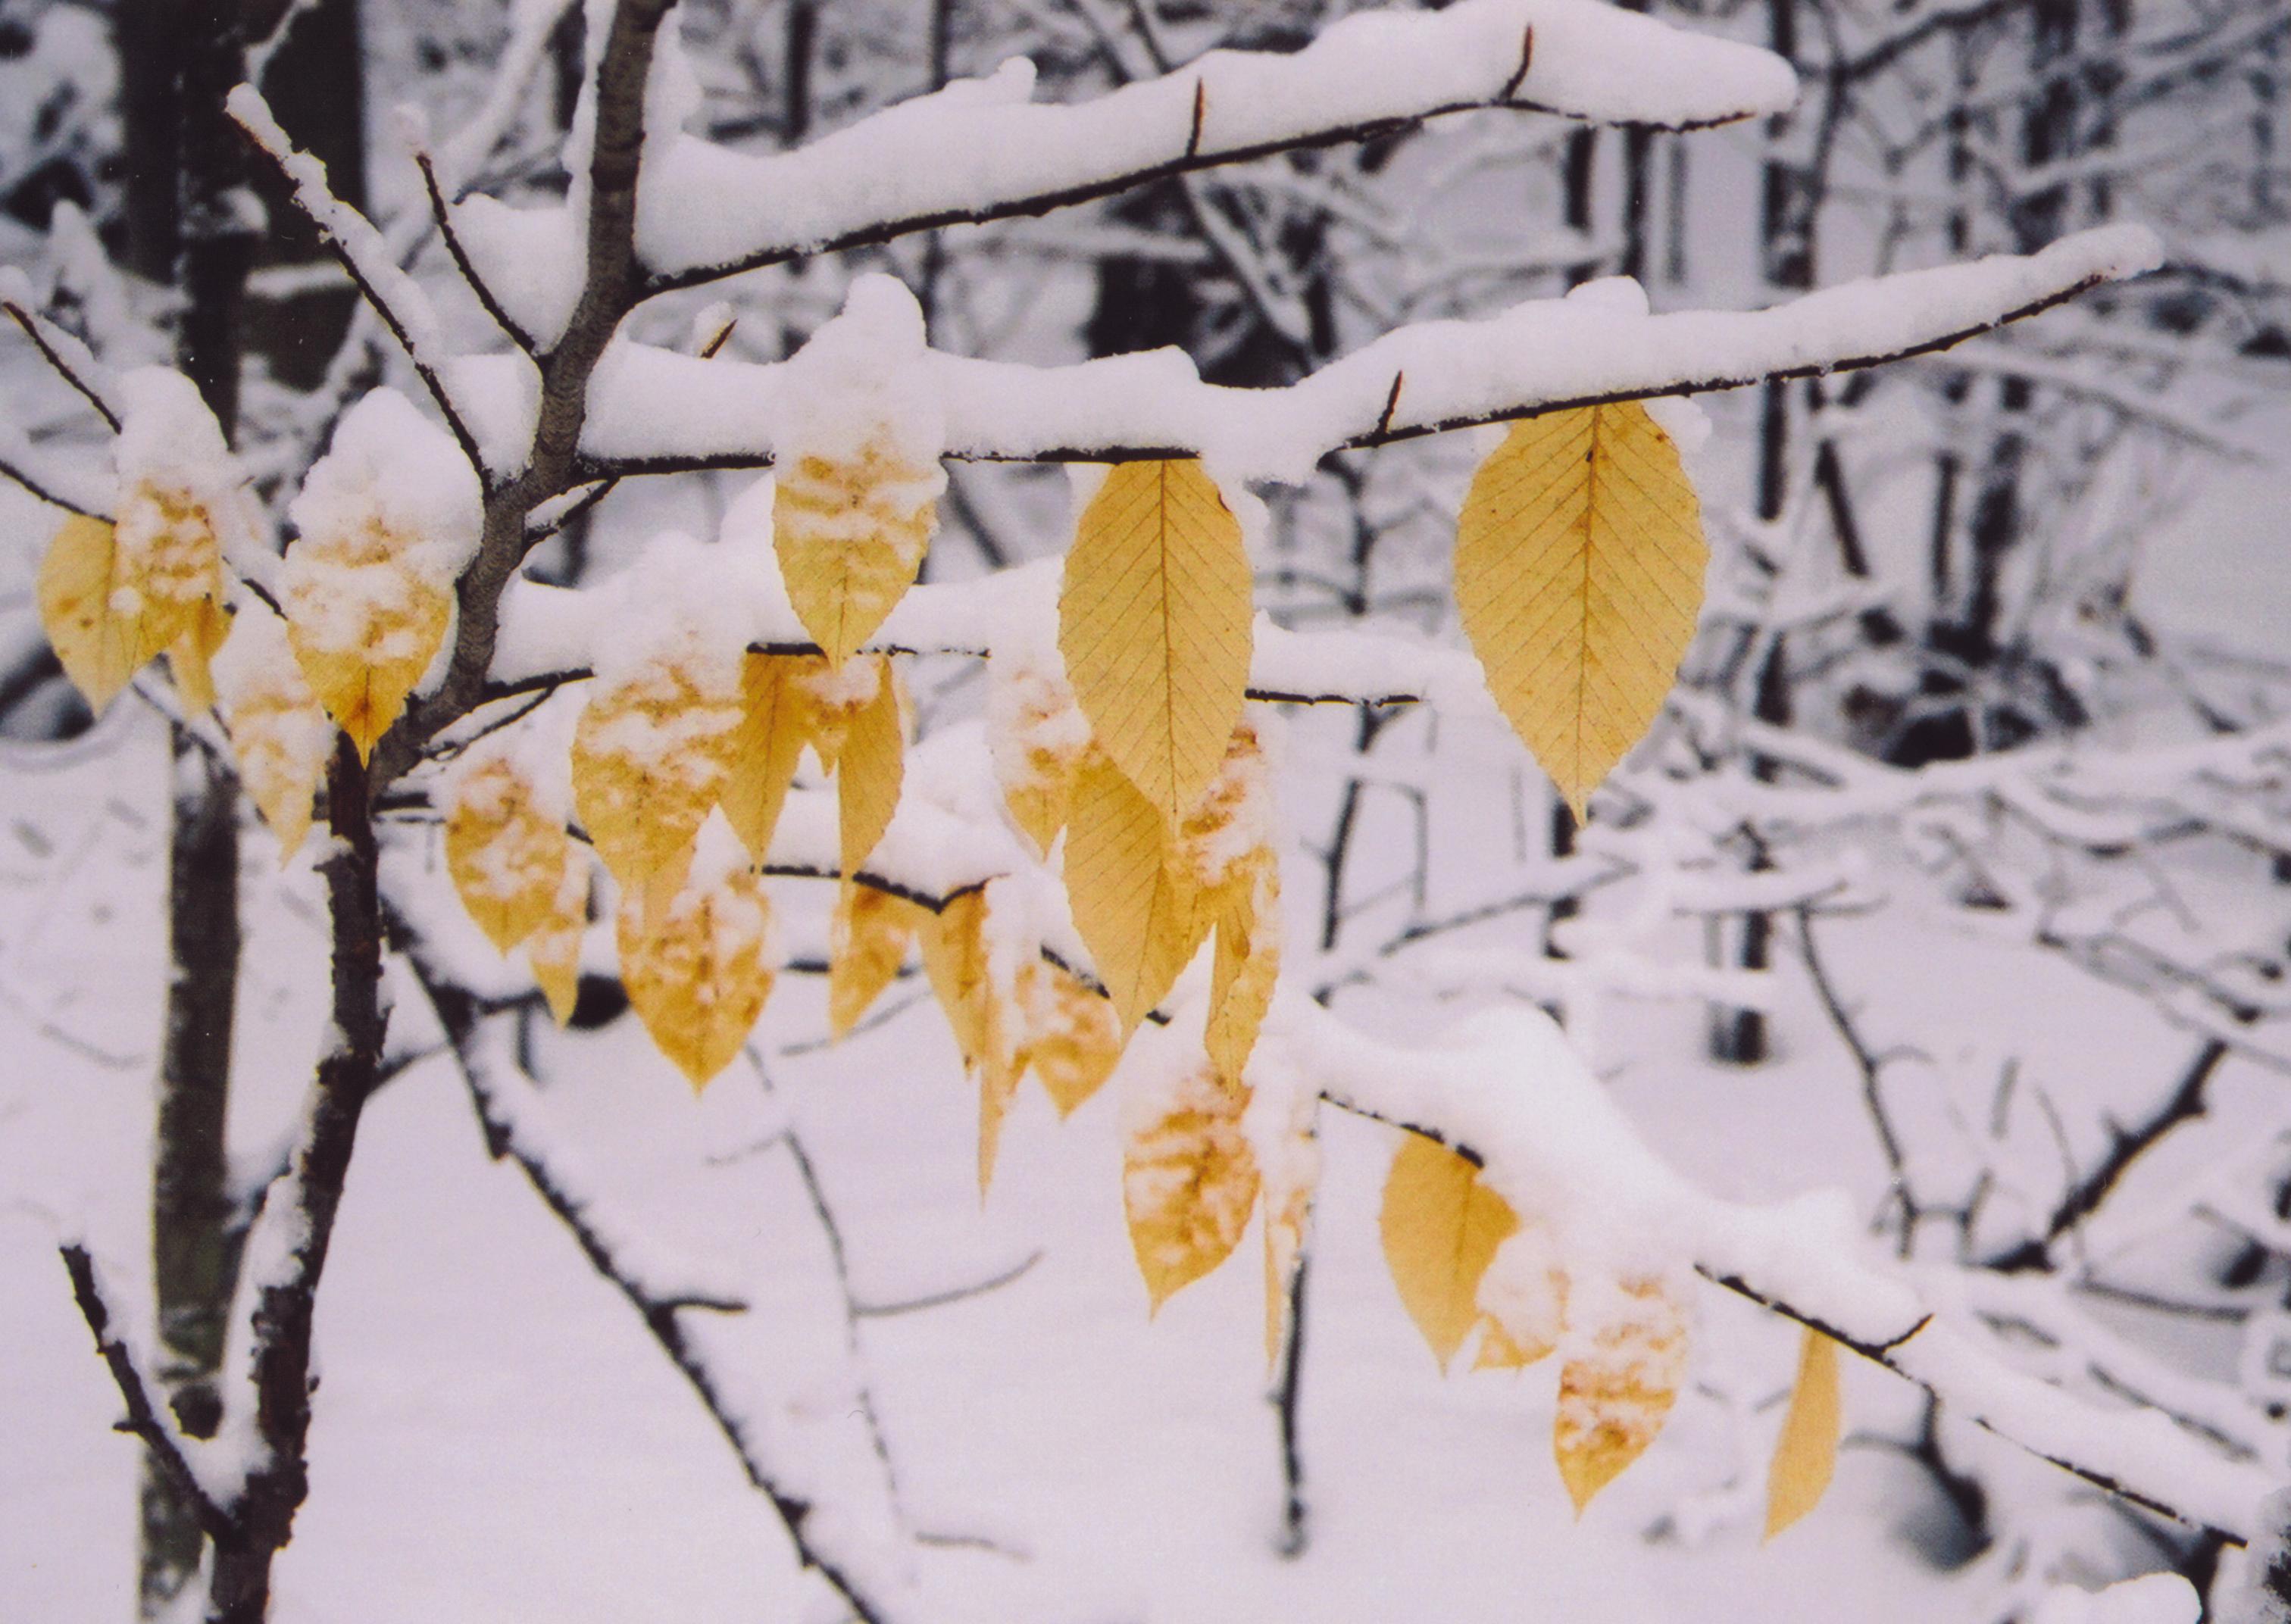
pixel 1153 621
pixel 1615 1391
pixel 1137 911
pixel 1523 1302
pixel 998 1086
pixel 850 533
pixel 1188 1181
pixel 699 969
pixel 1247 910
pixel 1440 1228
pixel 1807 1452
pixel 1579 575
pixel 280 734
pixel 99 648
pixel 867 937
pixel 954 959
pixel 776 723
pixel 506 854
pixel 1290 1176
pixel 1073 1037
pixel 868 769
pixel 650 755
pixel 365 623
pixel 190 657
pixel 1037 733
pixel 553 950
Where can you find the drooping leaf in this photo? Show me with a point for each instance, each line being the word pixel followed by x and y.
pixel 190 657
pixel 1037 735
pixel 1441 1228
pixel 776 723
pixel 1246 908
pixel 553 950
pixel 650 755
pixel 98 648
pixel 1579 575
pixel 868 769
pixel 277 731
pixel 868 935
pixel 1523 1302
pixel 1615 1391
pixel 1138 912
pixel 850 533
pixel 1291 1172
pixel 505 852
pixel 980 1010
pixel 1806 1453
pixel 1188 1181
pixel 699 968
pixel 1154 624
pixel 1073 1037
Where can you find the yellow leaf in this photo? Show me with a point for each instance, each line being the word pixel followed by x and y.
pixel 506 854
pixel 1807 1452
pixel 1522 1301
pixel 553 950
pixel 1073 1039
pixel 1615 1392
pixel 998 1086
pixel 868 770
pixel 366 622
pixel 850 535
pixel 1579 575
pixel 650 755
pixel 1441 1228
pixel 1247 910
pixel 1153 621
pixel 867 942
pixel 98 648
pixel 1189 1183
pixel 1037 735
pixel 698 973
pixel 280 734
pixel 1138 912
pixel 776 723
pixel 1289 1187
pixel 190 657
pixel 954 959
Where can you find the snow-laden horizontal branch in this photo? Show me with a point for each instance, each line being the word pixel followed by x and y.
pixel 655 411
pixel 1513 1094
pixel 980 150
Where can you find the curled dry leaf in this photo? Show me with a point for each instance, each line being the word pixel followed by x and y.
pixel 699 968
pixel 506 852
pixel 868 936
pixel 1072 1038
pixel 1578 575
pixel 850 532
pixel 1617 1389
pixel 1153 624
pixel 1440 1226
pixel 553 950
pixel 277 731
pixel 1138 912
pixel 1806 1453
pixel 1188 1181
pixel 650 755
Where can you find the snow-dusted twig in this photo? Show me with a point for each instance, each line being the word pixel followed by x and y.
pixel 145 1420
pixel 66 356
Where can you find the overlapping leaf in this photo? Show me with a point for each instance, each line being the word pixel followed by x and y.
pixel 1189 1181
pixel 1138 912
pixel 278 733
pixel 850 532
pixel 651 753
pixel 699 968
pixel 868 938
pixel 506 852
pixel 1440 1226
pixel 1618 1386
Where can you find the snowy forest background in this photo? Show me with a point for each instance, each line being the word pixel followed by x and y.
pixel 1957 872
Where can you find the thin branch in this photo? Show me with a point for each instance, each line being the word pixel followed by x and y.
pixel 953 1294
pixel 143 1420
pixel 14 468
pixel 51 352
pixel 443 214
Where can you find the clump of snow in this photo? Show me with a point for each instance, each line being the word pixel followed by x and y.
pixel 391 472
pixel 671 606
pixel 183 504
pixel 2155 1598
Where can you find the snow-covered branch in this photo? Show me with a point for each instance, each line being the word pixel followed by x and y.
pixel 657 411
pixel 978 151
pixel 1512 1093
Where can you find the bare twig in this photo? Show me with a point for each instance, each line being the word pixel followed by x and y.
pixel 51 352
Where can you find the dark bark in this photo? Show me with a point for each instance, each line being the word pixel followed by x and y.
pixel 262 1521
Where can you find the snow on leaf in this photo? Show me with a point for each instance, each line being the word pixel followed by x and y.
pixel 1578 573
pixel 1616 1389
pixel 850 535
pixel 776 723
pixel 1289 1158
pixel 278 730
pixel 1138 911
pixel 190 657
pixel 1188 1179
pixel 650 755
pixel 506 852
pixel 1154 623
pixel 1247 910
pixel 98 648
pixel 699 966
pixel 1440 1228
pixel 1036 734
pixel 1806 1453
pixel 1073 1037
pixel 553 950
pixel 1522 1301
pixel 868 936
